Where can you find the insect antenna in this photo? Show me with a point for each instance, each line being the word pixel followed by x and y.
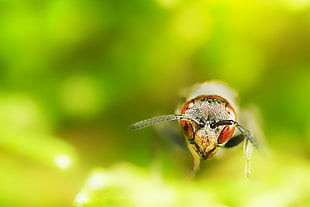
pixel 245 132
pixel 158 119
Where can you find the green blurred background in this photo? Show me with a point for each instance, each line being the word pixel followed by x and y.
pixel 74 74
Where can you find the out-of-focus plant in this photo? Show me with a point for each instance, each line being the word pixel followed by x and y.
pixel 126 185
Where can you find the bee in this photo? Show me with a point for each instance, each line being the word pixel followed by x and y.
pixel 209 119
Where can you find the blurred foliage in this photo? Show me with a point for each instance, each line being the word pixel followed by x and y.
pixel 75 74
pixel 125 185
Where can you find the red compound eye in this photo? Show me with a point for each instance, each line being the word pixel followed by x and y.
pixel 186 125
pixel 228 130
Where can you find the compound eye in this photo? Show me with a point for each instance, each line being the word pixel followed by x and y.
pixel 185 124
pixel 228 130
pixel 188 128
pixel 226 134
pixel 231 112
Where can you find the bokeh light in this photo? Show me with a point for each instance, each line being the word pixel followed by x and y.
pixel 81 198
pixel 63 161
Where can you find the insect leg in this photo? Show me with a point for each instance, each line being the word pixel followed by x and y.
pixel 245 132
pixel 248 148
pixel 234 141
pixel 196 159
pixel 248 151
pixel 249 136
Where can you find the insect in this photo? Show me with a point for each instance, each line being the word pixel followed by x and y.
pixel 209 119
